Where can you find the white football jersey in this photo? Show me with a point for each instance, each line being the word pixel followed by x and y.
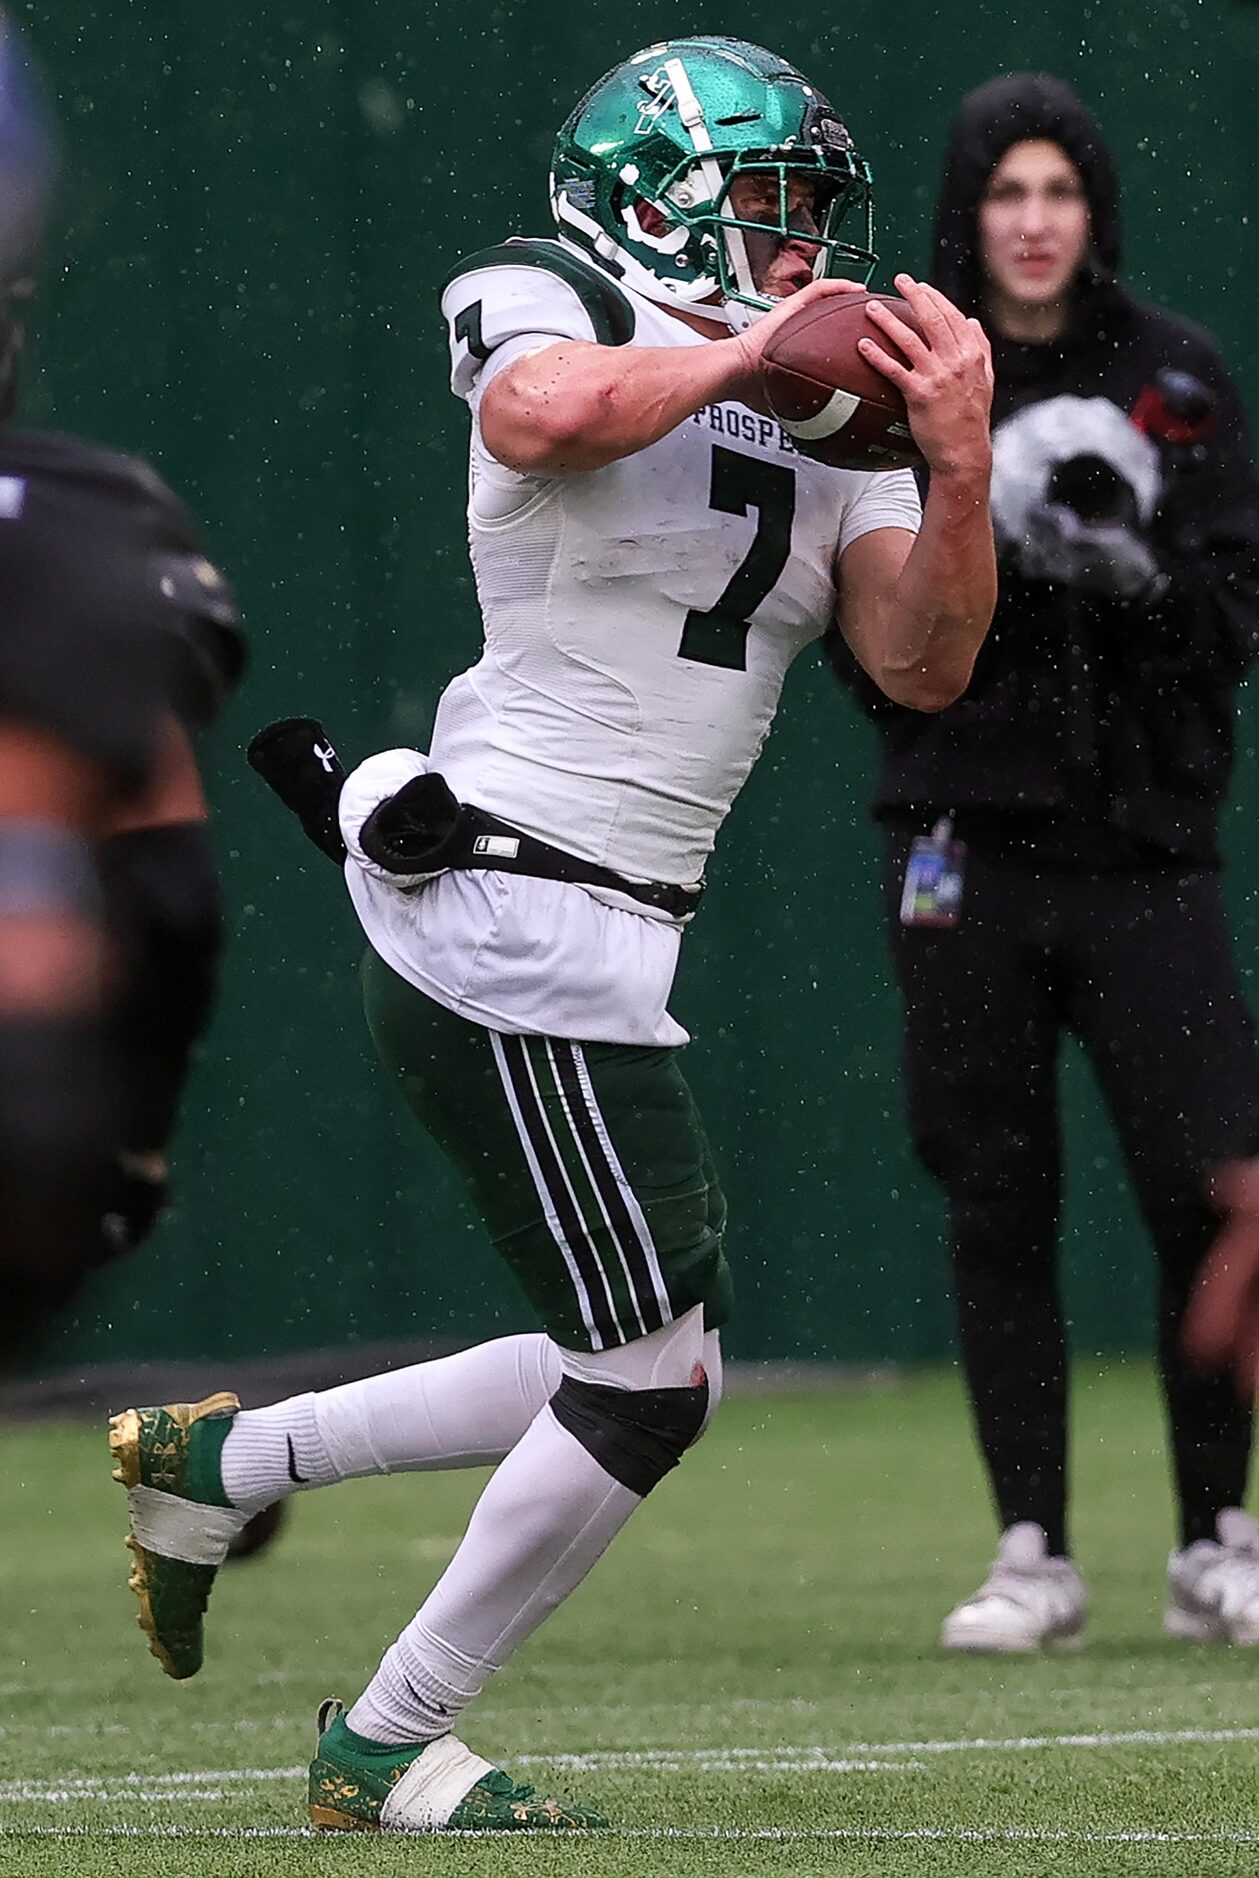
pixel 639 619
pixel 639 622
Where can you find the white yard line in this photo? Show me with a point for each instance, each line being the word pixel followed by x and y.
pixel 284 1724
pixel 180 1789
pixel 807 1760
pixel 861 1757
pixel 958 1835
pixel 168 1787
pixel 1102 1738
pixel 799 1760
pixel 57 1731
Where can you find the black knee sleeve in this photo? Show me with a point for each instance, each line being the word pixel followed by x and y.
pixel 163 892
pixel 636 1435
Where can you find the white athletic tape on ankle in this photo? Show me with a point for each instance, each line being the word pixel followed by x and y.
pixel 181 1529
pixel 433 1786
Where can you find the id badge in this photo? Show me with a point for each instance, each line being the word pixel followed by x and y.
pixel 934 878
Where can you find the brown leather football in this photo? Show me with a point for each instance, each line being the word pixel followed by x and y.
pixel 833 405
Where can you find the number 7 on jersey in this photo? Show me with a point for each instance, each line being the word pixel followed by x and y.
pixel 719 635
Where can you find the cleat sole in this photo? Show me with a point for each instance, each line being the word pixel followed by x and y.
pixel 138 1582
pixel 328 1819
pixel 125 1445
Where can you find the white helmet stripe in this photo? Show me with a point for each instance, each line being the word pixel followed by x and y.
pixel 691 113
pixel 690 110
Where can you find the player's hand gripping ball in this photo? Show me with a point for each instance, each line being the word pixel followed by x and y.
pixel 833 405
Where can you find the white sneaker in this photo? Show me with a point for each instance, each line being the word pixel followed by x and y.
pixel 1028 1600
pixel 1213 1585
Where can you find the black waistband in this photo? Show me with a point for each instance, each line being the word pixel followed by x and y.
pixel 424 829
pixel 483 840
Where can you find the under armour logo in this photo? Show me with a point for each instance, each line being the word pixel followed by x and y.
pixel 327 756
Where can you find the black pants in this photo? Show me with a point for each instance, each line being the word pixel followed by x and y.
pixel 1139 966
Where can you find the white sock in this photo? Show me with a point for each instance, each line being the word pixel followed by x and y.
pixel 466 1410
pixel 543 1520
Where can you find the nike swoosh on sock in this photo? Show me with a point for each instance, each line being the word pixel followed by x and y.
pixel 298 1480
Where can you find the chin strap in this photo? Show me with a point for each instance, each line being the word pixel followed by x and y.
pixel 739 316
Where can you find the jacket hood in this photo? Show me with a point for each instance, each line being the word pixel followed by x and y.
pixel 1007 111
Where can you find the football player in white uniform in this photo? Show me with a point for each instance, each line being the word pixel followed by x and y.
pixel 650 554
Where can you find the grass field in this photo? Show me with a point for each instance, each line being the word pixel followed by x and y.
pixel 749 1683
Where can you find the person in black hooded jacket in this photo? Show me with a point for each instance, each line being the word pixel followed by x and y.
pixel 1052 850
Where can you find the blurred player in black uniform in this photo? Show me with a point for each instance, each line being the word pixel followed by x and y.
pixel 118 641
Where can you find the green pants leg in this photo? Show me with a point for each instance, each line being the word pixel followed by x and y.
pixel 587 1162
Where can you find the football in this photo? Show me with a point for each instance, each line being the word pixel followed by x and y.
pixel 834 406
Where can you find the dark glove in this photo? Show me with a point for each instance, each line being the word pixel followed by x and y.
pixel 295 758
pixel 412 832
pixel 1109 559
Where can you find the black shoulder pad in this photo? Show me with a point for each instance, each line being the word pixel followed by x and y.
pixel 611 313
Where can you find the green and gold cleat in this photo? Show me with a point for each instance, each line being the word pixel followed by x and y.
pixel 439 1786
pixel 181 1525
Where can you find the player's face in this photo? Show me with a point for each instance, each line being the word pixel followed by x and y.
pixel 1033 226
pixel 778 267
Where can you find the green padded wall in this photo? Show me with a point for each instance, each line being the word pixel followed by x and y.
pixel 261 205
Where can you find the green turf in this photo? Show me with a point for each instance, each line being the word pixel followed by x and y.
pixel 776 1601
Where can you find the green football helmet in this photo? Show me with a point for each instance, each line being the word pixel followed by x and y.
pixel 674 126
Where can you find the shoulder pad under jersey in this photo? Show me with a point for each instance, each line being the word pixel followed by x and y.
pixel 523 287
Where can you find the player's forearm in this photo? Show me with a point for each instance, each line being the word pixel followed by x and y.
pixel 578 407
pixel 942 604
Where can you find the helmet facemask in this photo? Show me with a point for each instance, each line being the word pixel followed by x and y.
pixel 740 247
